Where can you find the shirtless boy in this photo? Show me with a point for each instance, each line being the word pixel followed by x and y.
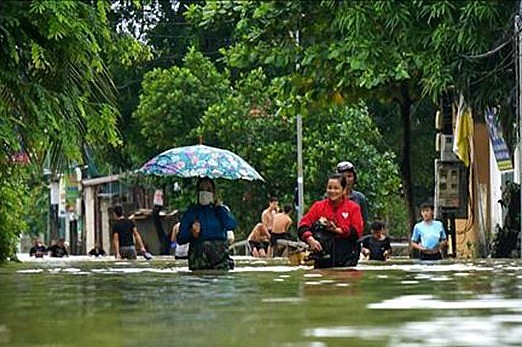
pixel 280 226
pixel 267 217
pixel 259 239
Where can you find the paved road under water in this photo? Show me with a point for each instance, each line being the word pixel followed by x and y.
pixel 84 302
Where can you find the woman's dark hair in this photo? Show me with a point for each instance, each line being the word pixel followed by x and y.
pixel 340 177
pixel 201 179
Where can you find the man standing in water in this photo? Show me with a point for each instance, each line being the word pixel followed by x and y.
pixel 347 169
pixel 124 232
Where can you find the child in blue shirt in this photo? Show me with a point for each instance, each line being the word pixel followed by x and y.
pixel 428 235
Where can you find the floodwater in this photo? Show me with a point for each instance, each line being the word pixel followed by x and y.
pixel 83 302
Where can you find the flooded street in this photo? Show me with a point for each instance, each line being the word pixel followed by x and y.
pixel 85 302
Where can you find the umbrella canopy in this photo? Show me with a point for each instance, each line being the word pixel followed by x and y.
pixel 200 161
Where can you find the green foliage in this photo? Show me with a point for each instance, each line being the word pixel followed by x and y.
pixel 56 96
pixel 173 101
pixel 14 206
pixel 398 52
pixel 253 123
pixel 52 77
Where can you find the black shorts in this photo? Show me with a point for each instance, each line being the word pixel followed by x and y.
pixel 279 236
pixel 258 245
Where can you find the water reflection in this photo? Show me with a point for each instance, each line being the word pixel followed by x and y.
pixel 160 303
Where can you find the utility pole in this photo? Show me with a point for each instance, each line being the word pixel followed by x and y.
pixel 299 125
pixel 518 27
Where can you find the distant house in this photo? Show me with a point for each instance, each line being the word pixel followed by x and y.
pixel 100 194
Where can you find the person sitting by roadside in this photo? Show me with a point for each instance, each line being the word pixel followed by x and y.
pixel 259 240
pixel 58 250
pixel 377 245
pixel 97 251
pixel 38 250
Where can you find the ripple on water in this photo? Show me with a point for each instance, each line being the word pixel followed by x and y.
pixel 498 330
pixel 422 302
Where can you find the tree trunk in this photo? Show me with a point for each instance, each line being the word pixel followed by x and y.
pixel 405 104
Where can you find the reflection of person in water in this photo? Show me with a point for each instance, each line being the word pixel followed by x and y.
pixel 332 227
pixel 346 283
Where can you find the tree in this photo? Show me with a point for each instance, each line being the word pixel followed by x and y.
pixel 398 52
pixel 56 96
pixel 253 122
pixel 173 101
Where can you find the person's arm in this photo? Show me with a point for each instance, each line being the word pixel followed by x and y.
pixel 364 211
pixel 251 235
pixel 305 227
pixel 185 226
pixel 139 241
pixel 288 224
pixel 443 238
pixel 227 218
pixel 116 245
pixel 416 240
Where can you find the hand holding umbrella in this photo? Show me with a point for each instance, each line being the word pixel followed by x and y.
pixel 196 229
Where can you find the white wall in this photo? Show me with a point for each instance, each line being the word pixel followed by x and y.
pixel 495 182
pixel 89 221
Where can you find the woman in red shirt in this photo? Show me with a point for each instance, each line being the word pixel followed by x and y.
pixel 332 227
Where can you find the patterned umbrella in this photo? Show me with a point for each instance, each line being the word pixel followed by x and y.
pixel 200 161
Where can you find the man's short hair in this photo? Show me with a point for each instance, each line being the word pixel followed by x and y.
pixel 427 204
pixel 273 199
pixel 118 210
pixel 288 208
pixel 377 226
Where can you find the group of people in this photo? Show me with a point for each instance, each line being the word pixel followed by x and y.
pixel 56 250
pixel 333 228
pixel 274 226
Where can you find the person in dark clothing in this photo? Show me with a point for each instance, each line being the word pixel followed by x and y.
pixel 377 245
pixel 38 250
pixel 58 250
pixel 347 169
pixel 97 251
pixel 124 232
pixel 204 226
pixel 332 227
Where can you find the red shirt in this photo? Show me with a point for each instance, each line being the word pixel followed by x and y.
pixel 345 215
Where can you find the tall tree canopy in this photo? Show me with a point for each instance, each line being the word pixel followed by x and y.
pixel 56 96
pixel 399 52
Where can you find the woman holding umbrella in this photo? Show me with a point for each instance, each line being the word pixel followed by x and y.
pixel 204 226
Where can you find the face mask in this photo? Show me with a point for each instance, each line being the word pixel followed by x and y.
pixel 206 198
